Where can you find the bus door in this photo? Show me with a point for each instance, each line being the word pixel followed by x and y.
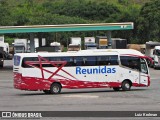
pixel 143 72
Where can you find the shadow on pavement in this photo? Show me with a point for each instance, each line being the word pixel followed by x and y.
pixel 6 68
pixel 76 92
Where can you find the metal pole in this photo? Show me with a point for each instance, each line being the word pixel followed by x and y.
pixel 32 45
pixel 109 39
pixel 40 39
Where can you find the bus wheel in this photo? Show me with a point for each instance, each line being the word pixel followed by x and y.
pixel 154 66
pixel 1 66
pixel 126 86
pixel 55 88
pixel 116 88
pixel 47 91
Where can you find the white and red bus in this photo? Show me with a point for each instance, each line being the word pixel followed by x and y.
pixel 99 68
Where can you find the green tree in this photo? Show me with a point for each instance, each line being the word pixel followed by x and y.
pixel 84 9
pixel 50 12
pixel 149 22
pixel 5 14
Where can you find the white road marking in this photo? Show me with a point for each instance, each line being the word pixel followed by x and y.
pixel 80 96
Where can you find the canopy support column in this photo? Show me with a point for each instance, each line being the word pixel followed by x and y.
pixel 32 45
pixel 109 39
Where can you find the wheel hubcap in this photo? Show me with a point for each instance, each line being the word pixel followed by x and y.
pixel 55 89
pixel 127 85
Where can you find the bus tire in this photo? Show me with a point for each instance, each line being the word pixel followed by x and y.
pixel 116 88
pixel 126 85
pixel 154 66
pixel 47 91
pixel 55 88
pixel 1 66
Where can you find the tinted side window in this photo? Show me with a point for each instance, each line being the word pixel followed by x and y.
pixel 75 61
pixel 113 60
pixel 102 60
pixel 91 61
pixel 80 61
pixel 46 64
pixel 29 59
pixel 131 62
pixel 70 61
pixel 52 59
pixel 107 60
pixel 84 61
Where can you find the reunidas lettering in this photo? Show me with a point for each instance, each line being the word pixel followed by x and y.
pixel 95 70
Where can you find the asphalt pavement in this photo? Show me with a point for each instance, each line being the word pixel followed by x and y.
pixel 101 99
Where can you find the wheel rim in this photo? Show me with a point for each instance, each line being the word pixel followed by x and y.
pixel 127 85
pixel 154 66
pixel 55 89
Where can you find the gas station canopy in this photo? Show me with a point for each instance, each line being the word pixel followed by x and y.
pixel 66 27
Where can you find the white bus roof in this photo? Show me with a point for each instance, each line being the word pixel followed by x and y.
pixel 85 53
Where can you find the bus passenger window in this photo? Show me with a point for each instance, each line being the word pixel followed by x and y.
pixel 78 61
pixel 102 60
pixel 113 60
pixel 131 62
pixel 55 59
pixel 74 61
pixel 91 61
pixel 84 61
pixel 24 62
pixel 107 60
pixel 29 59
pixel 69 61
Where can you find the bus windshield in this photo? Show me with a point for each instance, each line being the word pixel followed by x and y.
pixel 17 60
pixel 158 52
pixel 143 66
